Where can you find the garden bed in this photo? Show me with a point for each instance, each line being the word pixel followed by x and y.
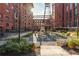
pixel 72 46
pixel 16 47
pixel 71 51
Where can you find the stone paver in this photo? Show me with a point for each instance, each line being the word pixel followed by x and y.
pixel 52 51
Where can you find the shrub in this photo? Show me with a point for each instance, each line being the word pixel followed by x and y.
pixel 73 42
pixel 15 47
pixel 76 41
pixel 65 33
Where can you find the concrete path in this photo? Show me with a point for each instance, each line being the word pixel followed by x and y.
pixel 52 51
pixel 13 36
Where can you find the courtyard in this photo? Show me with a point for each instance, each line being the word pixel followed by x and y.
pixel 47 43
pixel 30 31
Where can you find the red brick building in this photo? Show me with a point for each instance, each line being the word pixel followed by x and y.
pixel 38 23
pixel 39 20
pixel 28 23
pixel 10 13
pixel 26 16
pixel 6 17
pixel 65 14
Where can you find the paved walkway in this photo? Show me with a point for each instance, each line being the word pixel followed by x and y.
pixel 13 36
pixel 49 49
pixel 52 51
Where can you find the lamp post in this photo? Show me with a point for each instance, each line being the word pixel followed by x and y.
pixel 77 27
pixel 19 25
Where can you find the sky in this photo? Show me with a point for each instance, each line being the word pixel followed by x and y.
pixel 39 9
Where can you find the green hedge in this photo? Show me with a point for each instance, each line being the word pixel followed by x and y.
pixel 15 47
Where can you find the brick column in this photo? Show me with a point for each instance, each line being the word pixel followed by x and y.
pixel 73 15
pixel 4 17
pixel 60 14
pixel 78 14
pixel 55 14
pixel 11 16
pixel 69 14
pixel 65 15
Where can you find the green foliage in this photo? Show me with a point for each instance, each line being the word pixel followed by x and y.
pixel 65 33
pixel 76 42
pixel 72 42
pixel 14 47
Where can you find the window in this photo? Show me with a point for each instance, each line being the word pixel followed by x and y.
pixel 0 17
pixel 16 20
pixel 7 19
pixel 70 14
pixel 0 22
pixel 25 16
pixel 29 23
pixel 70 5
pixel 7 24
pixel 76 13
pixel 67 15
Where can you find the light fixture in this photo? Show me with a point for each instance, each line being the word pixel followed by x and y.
pixel 32 9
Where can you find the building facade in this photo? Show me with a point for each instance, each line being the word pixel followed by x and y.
pixel 39 22
pixel 6 17
pixel 65 15
pixel 23 12
pixel 11 13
